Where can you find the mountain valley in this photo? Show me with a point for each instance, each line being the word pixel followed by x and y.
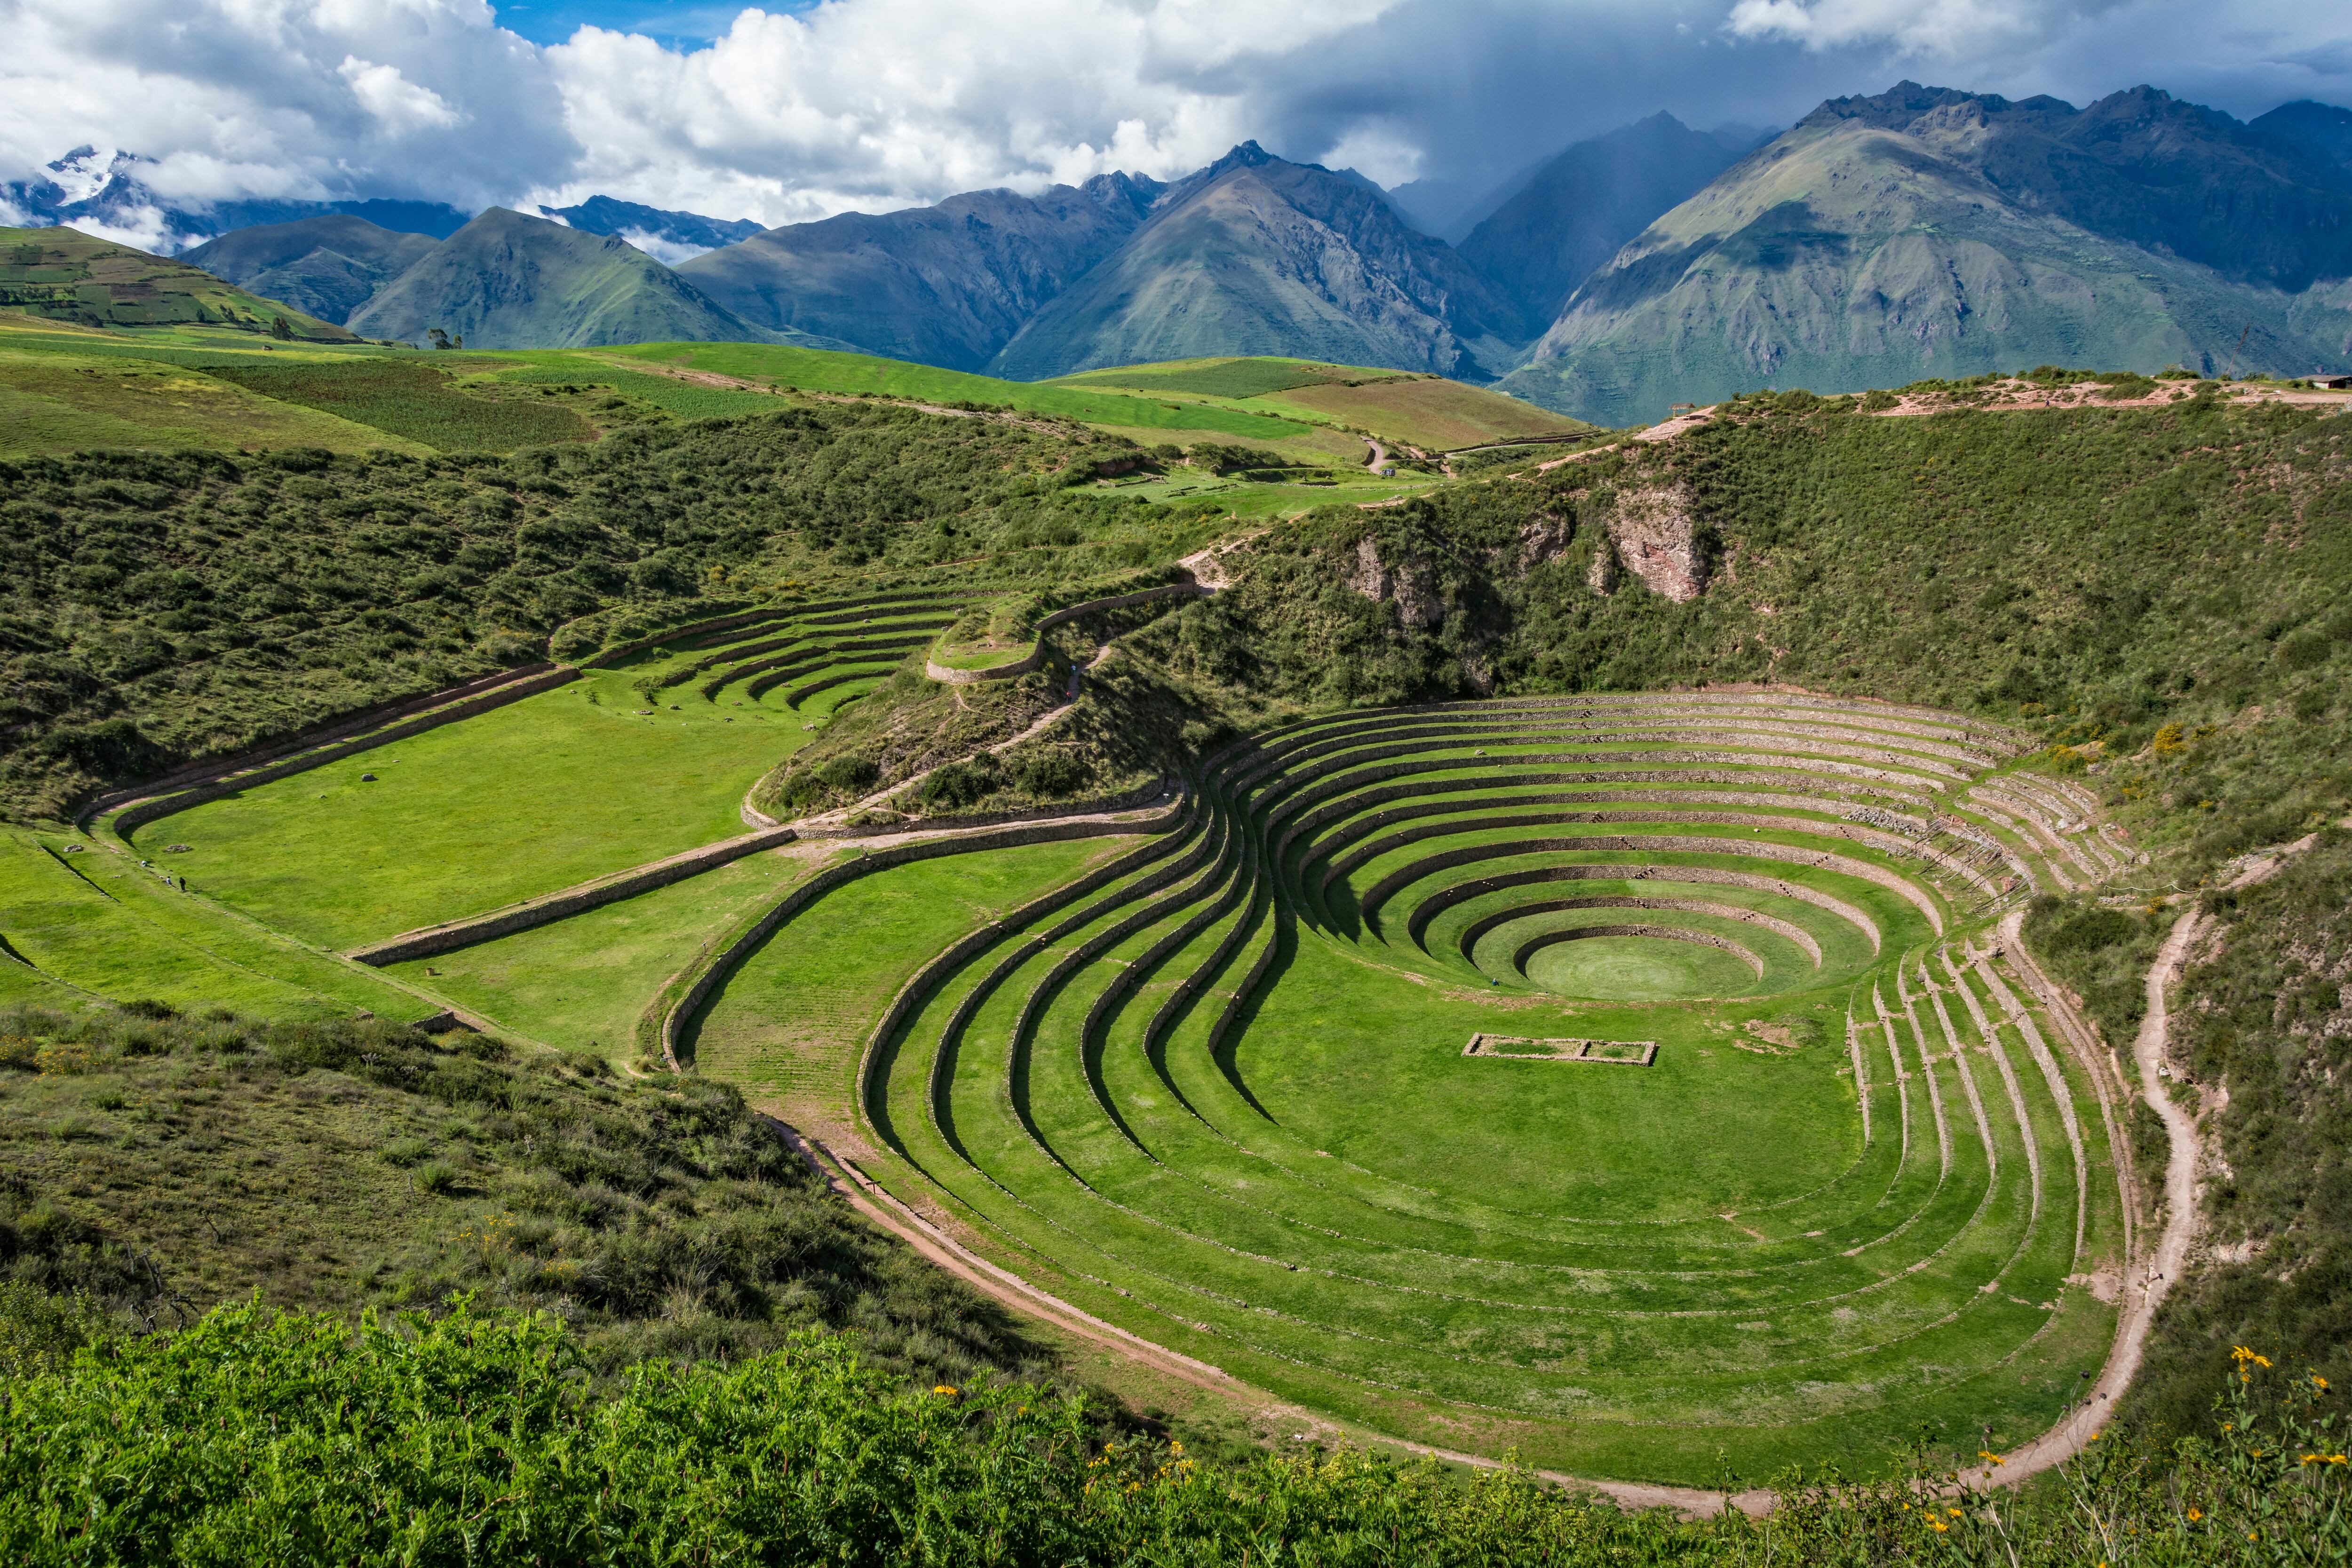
pixel 1161 870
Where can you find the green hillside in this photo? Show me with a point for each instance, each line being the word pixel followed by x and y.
pixel 63 275
pixel 1877 244
pixel 505 281
pixel 330 266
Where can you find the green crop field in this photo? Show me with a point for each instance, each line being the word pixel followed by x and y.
pixel 410 399
pixel 53 402
pixel 816 370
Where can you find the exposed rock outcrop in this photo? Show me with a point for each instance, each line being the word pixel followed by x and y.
pixel 1544 538
pixel 1657 538
pixel 1411 585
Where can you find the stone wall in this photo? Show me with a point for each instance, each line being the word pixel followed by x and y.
pixel 832 877
pixel 429 939
pixel 209 768
pixel 138 815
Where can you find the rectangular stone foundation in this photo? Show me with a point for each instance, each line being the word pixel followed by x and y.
pixel 1623 1053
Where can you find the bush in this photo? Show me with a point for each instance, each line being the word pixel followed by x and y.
pixel 849 775
pixel 952 786
pixel 1050 774
pixel 478 1438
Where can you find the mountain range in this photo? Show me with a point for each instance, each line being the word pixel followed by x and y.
pixel 1927 233
pixel 1919 232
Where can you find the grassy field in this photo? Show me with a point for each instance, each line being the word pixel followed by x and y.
pixel 69 402
pixel 581 984
pixel 97 924
pixel 815 370
pixel 555 789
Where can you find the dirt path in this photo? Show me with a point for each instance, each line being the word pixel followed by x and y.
pixel 1379 459
pixel 935 1246
pixel 869 1199
pixel 2061 1442
pixel 1208 566
pixel 2148 1278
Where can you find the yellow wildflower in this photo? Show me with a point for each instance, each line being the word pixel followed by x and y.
pixel 942 1388
pixel 1953 1511
pixel 1940 1526
pixel 2320 1380
pixel 1990 1456
pixel 2194 1516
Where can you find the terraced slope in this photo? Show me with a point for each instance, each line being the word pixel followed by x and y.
pixel 1632 1081
pixel 440 811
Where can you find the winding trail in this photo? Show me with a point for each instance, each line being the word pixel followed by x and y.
pixel 2160 1267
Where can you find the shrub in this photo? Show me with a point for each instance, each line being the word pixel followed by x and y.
pixel 849 775
pixel 1051 774
pixel 2304 650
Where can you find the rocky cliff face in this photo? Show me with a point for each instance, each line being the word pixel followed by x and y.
pixel 1657 538
pixel 1410 585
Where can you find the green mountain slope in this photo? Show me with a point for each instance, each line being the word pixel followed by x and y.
pixel 1536 247
pixel 505 281
pixel 946 285
pixel 1935 234
pixel 65 275
pixel 329 266
pixel 1257 256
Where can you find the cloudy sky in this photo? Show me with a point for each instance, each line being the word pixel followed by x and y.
pixel 804 110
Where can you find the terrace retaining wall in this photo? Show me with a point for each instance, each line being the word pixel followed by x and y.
pixel 138 815
pixel 1036 655
pixel 429 939
pixel 209 768
pixel 832 877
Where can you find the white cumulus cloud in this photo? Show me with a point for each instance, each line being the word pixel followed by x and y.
pixel 399 103
pixel 1947 29
pixel 871 103
pixel 799 111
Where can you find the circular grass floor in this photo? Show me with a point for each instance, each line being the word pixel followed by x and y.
pixel 1635 969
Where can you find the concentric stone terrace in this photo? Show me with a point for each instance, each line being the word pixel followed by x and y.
pixel 1768 1153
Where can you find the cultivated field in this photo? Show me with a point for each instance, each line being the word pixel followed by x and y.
pixel 1422 410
